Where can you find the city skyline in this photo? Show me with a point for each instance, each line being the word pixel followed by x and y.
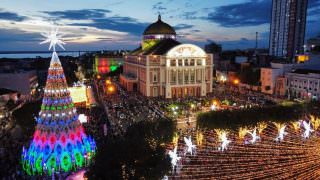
pixel 98 25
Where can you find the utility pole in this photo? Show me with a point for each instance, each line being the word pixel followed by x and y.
pixel 256 41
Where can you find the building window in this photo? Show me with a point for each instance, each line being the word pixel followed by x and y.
pixel 198 74
pixel 173 76
pixel 180 77
pixel 192 76
pixel 186 62
pixel 192 62
pixel 198 62
pixel 186 77
pixel 173 62
pixel 180 62
pixel 155 77
pixel 155 91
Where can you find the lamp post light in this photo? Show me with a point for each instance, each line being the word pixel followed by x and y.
pixel 236 81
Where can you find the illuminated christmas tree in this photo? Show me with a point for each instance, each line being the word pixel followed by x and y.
pixel 59 143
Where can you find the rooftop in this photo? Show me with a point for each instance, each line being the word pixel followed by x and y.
pixel 159 27
pixel 160 48
pixel 305 71
pixel 6 91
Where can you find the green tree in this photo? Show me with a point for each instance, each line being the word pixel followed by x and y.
pixel 140 154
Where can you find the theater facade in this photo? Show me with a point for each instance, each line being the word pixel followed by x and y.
pixel 164 67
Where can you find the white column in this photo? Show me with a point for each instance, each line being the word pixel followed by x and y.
pixel 189 76
pixel 182 76
pixel 147 76
pixel 203 84
pixel 167 93
pixel 203 75
pixel 177 77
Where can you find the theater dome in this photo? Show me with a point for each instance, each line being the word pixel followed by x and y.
pixel 159 30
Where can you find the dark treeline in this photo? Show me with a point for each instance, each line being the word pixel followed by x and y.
pixel 140 154
pixel 233 119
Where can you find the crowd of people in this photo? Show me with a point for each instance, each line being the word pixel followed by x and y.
pixel 125 108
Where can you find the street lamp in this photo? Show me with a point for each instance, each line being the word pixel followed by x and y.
pixel 110 88
pixel 236 81
pixel 108 81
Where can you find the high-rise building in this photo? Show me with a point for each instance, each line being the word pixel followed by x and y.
pixel 287 28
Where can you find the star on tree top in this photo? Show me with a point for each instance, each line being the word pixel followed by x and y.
pixel 53 38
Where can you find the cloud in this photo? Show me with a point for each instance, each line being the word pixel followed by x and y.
pixel 313 3
pixel 314 8
pixel 244 39
pixel 189 15
pixel 250 13
pixel 11 16
pixel 98 18
pixel 122 24
pixel 313 21
pixel 183 26
pixel 187 4
pixel 13 35
pixel 195 30
pixel 159 6
pixel 13 39
pixel 82 14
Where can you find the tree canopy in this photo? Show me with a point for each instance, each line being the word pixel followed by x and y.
pixel 140 154
pixel 233 119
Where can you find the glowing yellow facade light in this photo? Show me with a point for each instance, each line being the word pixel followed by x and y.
pixel 78 94
pixel 110 88
pixel 108 81
pixel 302 58
pixel 215 102
pixel 236 81
pixel 223 78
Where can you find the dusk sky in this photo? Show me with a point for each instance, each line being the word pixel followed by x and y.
pixel 119 24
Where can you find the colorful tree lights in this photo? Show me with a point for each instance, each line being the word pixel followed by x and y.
pixel 59 143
